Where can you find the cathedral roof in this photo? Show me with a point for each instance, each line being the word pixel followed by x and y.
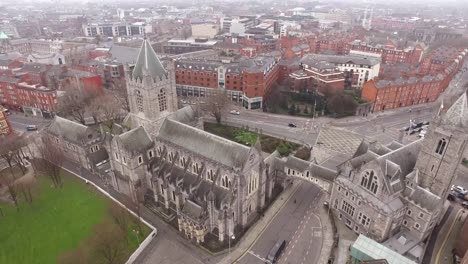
pixel 148 63
pixel 457 114
pixel 216 148
pixel 69 130
pixel 136 139
pixel 422 197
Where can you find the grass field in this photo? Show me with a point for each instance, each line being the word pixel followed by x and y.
pixel 248 138
pixel 58 220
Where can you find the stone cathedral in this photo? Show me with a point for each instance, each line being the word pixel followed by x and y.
pixel 209 183
pixel 395 194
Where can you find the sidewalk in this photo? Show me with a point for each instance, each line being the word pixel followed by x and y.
pixel 346 239
pixel 447 235
pixel 327 230
pixel 257 229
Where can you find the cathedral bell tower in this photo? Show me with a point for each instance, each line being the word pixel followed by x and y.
pixel 442 149
pixel 151 88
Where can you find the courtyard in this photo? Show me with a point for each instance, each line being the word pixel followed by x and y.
pixel 67 225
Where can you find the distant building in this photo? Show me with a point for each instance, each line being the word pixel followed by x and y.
pixel 205 30
pixel 9 29
pixel 335 72
pixel 113 29
pixel 178 46
pixel 414 89
pixel 246 81
pixel 237 25
pixel 389 53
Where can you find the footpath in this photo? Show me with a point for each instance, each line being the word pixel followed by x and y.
pixel 257 229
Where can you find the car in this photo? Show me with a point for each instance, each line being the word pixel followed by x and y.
pixel 31 127
pixel 291 125
pixel 234 112
pixel 465 204
pixel 458 189
pixel 407 128
pixel 422 133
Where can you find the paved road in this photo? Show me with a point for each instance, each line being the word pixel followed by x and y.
pixel 19 122
pixel 296 223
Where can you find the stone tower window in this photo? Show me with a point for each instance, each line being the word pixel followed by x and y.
pixel 369 181
pixel 139 101
pixel 441 146
pixel 225 181
pixel 162 100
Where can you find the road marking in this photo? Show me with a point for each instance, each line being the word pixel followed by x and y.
pixel 293 246
pixel 455 219
pixel 258 256
pixel 265 227
pixel 289 253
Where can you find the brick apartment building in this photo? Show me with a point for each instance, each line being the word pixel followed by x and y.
pixel 411 90
pixel 32 98
pixel 441 58
pixel 324 76
pixel 388 52
pixel 396 24
pixel 246 81
pixel 5 126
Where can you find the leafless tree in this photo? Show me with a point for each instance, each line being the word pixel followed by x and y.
pixel 8 180
pixel 25 184
pixel 122 97
pixel 74 104
pixel 51 160
pixel 108 244
pixel 120 216
pixel 216 104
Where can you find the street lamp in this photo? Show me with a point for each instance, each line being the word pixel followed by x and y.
pixel 233 237
pixel 136 234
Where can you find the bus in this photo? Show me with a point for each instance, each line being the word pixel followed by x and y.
pixel 275 251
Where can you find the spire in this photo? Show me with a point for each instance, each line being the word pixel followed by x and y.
pixel 457 114
pixel 148 63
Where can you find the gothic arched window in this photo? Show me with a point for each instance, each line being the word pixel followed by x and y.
pixel 139 101
pixel 441 146
pixel 162 100
pixel 225 181
pixel 369 181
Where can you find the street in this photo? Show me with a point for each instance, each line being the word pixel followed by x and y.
pixel 19 122
pixel 296 223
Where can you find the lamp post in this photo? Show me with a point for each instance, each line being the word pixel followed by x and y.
pixel 233 237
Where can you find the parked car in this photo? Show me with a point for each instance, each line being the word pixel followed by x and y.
pixel 422 133
pixel 234 112
pixel 291 125
pixel 458 189
pixel 31 127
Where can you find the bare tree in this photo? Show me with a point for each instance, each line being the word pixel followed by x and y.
pixel 51 160
pixel 122 97
pixel 120 216
pixel 8 181
pixel 216 104
pixel 108 244
pixel 25 184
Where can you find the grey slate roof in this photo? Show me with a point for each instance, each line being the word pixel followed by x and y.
pixel 192 210
pixel 123 54
pixel 405 157
pixel 323 172
pixel 218 149
pixel 340 59
pixel 148 63
pixel 297 163
pixel 457 114
pixel 422 197
pixel 67 129
pixel 136 139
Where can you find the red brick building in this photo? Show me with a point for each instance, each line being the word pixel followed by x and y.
pixel 246 81
pixel 396 24
pixel 389 53
pixel 441 58
pixel 419 88
pixel 20 96
pixel 320 75
pixel 5 126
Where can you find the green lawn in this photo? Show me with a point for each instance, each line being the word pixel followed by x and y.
pixel 248 138
pixel 58 220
